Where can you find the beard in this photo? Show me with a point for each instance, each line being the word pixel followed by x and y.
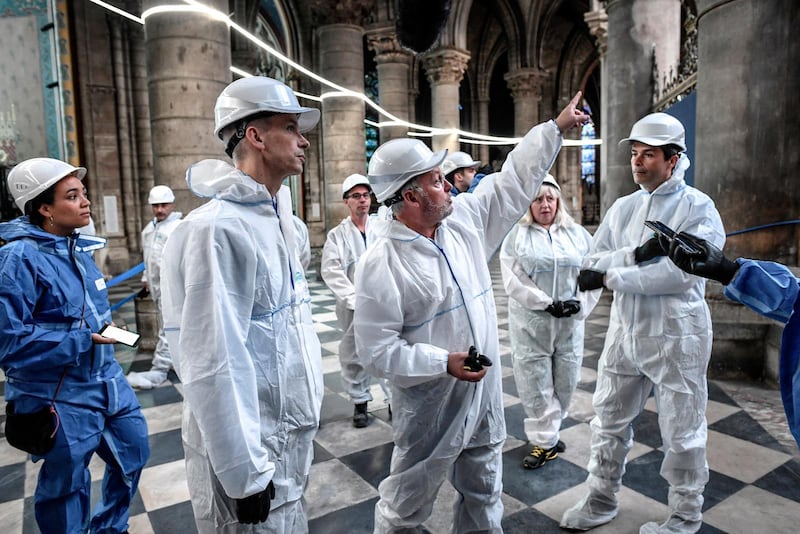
pixel 436 212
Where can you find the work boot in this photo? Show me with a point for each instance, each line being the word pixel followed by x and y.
pixel 673 525
pixel 591 511
pixel 360 417
pixel 538 457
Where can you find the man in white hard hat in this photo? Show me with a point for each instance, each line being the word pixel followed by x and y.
pixel 659 333
pixel 423 300
pixel 154 237
pixel 460 169
pixel 237 314
pixel 344 246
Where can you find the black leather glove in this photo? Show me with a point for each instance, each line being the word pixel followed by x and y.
pixel 710 263
pixel 589 279
pixel 255 508
pixel 556 309
pixel 571 307
pixel 654 247
pixel 476 362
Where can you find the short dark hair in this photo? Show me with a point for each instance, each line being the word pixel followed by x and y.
pixel 47 196
pixel 670 150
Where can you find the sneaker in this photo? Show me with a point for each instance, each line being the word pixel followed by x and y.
pixel 673 525
pixel 591 511
pixel 538 457
pixel 360 417
pixel 560 446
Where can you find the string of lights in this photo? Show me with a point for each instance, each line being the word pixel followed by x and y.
pixel 337 91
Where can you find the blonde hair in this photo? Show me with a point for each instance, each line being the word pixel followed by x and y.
pixel 562 218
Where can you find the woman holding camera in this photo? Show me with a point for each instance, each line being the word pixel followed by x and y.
pixel 53 301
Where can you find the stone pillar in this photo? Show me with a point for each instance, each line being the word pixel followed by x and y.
pixel 597 21
pixel 188 63
pixel 746 136
pixel 141 108
pixel 635 29
pixel 394 65
pixel 445 68
pixel 483 128
pixel 526 90
pixel 343 138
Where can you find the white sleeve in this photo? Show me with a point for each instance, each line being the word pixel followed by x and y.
pixel 378 324
pixel 518 284
pixel 334 272
pixel 209 278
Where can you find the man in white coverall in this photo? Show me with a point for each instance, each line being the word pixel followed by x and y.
pixel 154 237
pixel 238 318
pixel 423 297
pixel 344 246
pixel 659 332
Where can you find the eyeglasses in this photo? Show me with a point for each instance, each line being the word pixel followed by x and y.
pixel 358 196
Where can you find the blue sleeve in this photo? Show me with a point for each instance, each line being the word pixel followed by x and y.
pixel 765 287
pixel 789 373
pixel 24 341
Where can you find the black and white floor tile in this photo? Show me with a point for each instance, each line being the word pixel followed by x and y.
pixel 754 484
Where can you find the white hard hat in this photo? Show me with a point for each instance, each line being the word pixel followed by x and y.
pixel 161 194
pixel 397 161
pixel 353 180
pixel 251 96
pixel 458 160
pixel 550 180
pixel 658 129
pixel 32 177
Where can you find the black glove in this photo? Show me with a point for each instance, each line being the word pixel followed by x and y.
pixel 654 247
pixel 710 263
pixel 556 309
pixel 476 362
pixel 589 279
pixel 571 307
pixel 255 508
pixel 563 308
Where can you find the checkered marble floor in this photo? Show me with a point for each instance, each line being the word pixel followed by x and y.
pixel 754 484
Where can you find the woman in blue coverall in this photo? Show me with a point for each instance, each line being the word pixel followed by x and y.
pixel 53 301
pixel 766 287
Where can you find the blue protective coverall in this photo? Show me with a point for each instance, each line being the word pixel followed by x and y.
pixel 771 289
pixel 52 297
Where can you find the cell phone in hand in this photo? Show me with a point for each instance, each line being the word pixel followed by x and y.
pixel 126 337
pixel 662 229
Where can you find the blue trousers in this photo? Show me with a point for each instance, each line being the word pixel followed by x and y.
pixel 102 417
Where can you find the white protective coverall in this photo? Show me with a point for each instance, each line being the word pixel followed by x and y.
pixel 417 300
pixel 659 337
pixel 539 266
pixel 154 237
pixel 343 247
pixel 238 318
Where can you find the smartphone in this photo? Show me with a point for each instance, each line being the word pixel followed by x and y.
pixel 662 229
pixel 126 337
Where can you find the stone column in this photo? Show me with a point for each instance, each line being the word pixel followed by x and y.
pixel 483 127
pixel 188 63
pixel 141 108
pixel 635 29
pixel 445 68
pixel 597 20
pixel 343 138
pixel 394 65
pixel 746 135
pixel 526 90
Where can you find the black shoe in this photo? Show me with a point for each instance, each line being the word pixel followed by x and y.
pixel 360 417
pixel 538 457
pixel 560 446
